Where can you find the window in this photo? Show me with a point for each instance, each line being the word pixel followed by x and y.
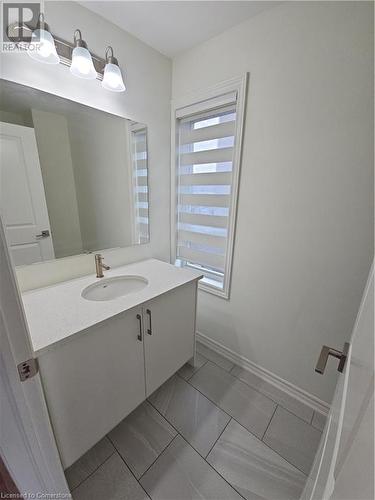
pixel 208 142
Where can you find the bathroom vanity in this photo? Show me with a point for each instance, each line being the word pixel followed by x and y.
pixel 101 353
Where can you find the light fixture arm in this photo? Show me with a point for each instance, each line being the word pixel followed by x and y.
pixel 41 24
pixel 78 42
pixel 109 57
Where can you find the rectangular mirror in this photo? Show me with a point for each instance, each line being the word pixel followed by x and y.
pixel 73 179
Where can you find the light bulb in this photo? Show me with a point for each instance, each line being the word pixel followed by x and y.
pixel 112 78
pixel 42 47
pixel 82 65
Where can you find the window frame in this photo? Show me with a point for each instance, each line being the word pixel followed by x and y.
pixel 238 85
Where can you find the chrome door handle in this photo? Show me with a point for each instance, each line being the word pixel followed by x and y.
pixel 139 318
pixel 329 351
pixel 43 234
pixel 149 330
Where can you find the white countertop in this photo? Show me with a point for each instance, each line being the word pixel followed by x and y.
pixel 55 313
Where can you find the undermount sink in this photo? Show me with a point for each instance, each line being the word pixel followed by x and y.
pixel 112 288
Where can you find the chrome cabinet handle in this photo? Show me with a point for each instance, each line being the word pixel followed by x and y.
pixel 139 318
pixel 329 351
pixel 43 234
pixel 149 330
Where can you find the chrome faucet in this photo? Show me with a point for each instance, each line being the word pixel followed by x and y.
pixel 99 265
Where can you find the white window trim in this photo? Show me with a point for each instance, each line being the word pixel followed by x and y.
pixel 239 85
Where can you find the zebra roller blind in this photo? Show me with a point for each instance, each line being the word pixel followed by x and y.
pixel 140 175
pixel 205 156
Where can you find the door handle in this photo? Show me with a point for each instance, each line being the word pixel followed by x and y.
pixel 329 351
pixel 139 318
pixel 149 330
pixel 43 234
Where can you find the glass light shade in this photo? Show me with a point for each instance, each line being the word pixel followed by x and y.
pixel 82 65
pixel 112 79
pixel 42 47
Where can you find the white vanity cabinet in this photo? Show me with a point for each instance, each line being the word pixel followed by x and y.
pixel 96 378
pixel 169 325
pixel 92 382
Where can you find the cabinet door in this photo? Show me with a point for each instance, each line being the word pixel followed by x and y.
pixel 93 381
pixel 169 326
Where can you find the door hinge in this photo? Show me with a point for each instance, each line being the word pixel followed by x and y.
pixel 27 369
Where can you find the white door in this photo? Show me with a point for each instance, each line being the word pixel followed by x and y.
pixel 169 334
pixel 344 465
pixel 22 200
pixel 27 444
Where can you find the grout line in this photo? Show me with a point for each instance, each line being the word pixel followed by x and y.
pixel 192 446
pixel 258 390
pixel 312 418
pixel 157 458
pixel 233 418
pixel 187 380
pixel 176 429
pixel 127 466
pixel 214 362
pixel 213 468
pixel 194 372
pixel 231 371
pixel 93 472
pixel 269 423
pixel 221 433
pixel 239 380
pixel 265 444
pixel 273 399
pixel 266 395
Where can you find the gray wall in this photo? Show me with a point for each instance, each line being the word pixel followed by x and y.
pixel 305 217
pixel 54 148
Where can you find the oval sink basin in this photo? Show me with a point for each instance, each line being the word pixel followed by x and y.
pixel 111 288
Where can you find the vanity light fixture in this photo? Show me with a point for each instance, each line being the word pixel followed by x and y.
pixel 42 45
pixel 82 65
pixel 112 79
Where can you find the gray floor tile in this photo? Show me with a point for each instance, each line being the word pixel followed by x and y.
pixel 180 473
pixel 88 463
pixel 253 469
pixel 250 408
pixel 215 357
pixel 288 402
pixel 112 481
pixel 293 439
pixel 319 421
pixel 141 437
pixel 193 415
pixel 187 370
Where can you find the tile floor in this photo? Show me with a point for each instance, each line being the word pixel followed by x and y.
pixel 213 432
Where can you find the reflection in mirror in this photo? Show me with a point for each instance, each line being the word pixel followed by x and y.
pixel 73 179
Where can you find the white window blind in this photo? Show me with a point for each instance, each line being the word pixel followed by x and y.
pixel 139 162
pixel 205 155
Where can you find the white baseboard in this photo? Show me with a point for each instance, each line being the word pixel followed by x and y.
pixel 292 390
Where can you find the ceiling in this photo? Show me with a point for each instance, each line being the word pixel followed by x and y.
pixel 172 27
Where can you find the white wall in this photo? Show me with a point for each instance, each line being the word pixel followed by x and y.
pixel 305 227
pixel 102 178
pixel 147 99
pixel 52 136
